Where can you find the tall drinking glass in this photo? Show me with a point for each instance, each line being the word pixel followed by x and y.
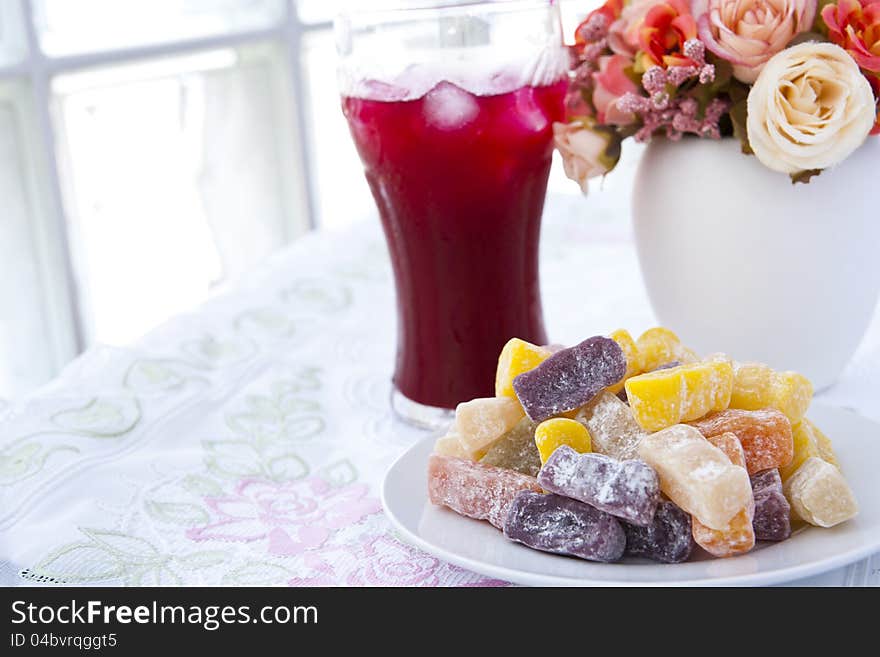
pixel 451 108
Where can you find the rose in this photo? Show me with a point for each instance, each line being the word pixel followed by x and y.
pixel 623 35
pixel 666 27
pixel 874 80
pixel 596 22
pixel 809 108
pixel 855 26
pixel 587 151
pixel 747 33
pixel 610 83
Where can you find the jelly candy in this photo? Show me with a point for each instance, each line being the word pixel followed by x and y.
pixel 765 435
pixel 739 535
pixel 613 429
pixel 474 489
pixel 819 494
pixel 757 386
pixel 561 525
pixel 557 431
pixel 667 539
pixel 570 378
pixel 658 346
pixel 480 422
pixel 696 475
pixel 665 397
pixel 516 450
pixel 516 357
pixel 772 511
pixel 808 441
pixel 450 445
pixel 631 353
pixel 628 490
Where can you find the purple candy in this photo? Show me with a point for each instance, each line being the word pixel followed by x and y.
pixel 772 511
pixel 629 490
pixel 557 524
pixel 667 539
pixel 570 378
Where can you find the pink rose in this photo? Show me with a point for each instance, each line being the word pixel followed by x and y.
pixel 623 35
pixel 587 152
pixel 610 82
pixel 747 33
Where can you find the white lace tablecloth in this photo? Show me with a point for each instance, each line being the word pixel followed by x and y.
pixel 245 443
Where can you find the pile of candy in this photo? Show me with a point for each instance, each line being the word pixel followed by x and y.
pixel 618 446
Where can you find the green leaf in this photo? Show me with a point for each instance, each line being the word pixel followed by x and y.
pixel 205 559
pixel 340 473
pixel 804 176
pixel 80 563
pixel 101 418
pixel 201 485
pixel 289 467
pixel 132 548
pixel 178 513
pixel 256 573
pixel 739 118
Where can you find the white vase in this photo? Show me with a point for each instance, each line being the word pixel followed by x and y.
pixel 737 259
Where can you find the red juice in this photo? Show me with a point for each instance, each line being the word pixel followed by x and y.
pixel 459 180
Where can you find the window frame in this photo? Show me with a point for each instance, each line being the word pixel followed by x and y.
pixel 62 302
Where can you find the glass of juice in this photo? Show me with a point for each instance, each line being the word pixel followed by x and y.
pixel 451 109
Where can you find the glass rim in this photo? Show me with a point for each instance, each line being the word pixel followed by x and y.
pixel 428 9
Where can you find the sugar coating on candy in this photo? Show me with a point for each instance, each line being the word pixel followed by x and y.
pixel 570 378
pixel 758 386
pixel 480 422
pixel 772 511
pixel 696 475
pixel 808 441
pixel 553 523
pixel 613 429
pixel 516 450
pixel 628 490
pixel 660 345
pixel 557 431
pixel 631 353
pixel 765 435
pixel 662 398
pixel 738 536
pixel 473 489
pixel 450 445
pixel 667 539
pixel 819 494
pixel 516 357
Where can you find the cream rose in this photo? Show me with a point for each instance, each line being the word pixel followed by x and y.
pixel 586 152
pixel 747 33
pixel 809 108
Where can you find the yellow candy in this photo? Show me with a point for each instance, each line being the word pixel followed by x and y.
pixel 680 394
pixel 659 346
pixel 631 353
pixel 450 445
pixel 480 422
pixel 808 442
pixel 557 431
pixel 516 357
pixel 758 386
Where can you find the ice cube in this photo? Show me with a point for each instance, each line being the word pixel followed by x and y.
pixel 449 107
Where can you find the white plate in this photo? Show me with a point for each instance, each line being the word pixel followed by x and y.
pixel 479 547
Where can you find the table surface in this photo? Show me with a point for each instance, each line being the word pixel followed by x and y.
pixel 245 442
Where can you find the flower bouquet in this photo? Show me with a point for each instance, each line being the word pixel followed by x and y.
pixel 796 81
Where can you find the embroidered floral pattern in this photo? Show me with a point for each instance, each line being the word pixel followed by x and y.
pixel 292 517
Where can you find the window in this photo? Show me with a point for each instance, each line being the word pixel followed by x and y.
pixel 153 149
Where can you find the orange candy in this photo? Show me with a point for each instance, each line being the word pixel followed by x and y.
pixel 739 536
pixel 765 435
